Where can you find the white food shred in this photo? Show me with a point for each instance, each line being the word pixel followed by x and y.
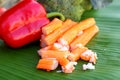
pixel 91 54
pixel 61 47
pixel 81 32
pixel 59 71
pixel 87 53
pixel 74 63
pixel 57 45
pixel 88 66
pixel 63 42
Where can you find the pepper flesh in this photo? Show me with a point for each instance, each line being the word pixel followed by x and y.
pixel 22 23
pixel 2 10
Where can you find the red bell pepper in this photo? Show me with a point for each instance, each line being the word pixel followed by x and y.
pixel 22 23
pixel 2 10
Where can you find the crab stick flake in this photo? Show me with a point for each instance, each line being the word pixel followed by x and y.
pixel 89 55
pixel 53 25
pixel 85 37
pixel 88 66
pixel 69 67
pixel 61 56
pixel 71 34
pixel 58 46
pixel 47 64
pixel 76 53
pixel 52 38
pixel 63 43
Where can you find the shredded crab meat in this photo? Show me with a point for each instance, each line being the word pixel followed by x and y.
pixel 63 42
pixel 59 71
pixel 58 45
pixel 88 66
pixel 77 45
pixel 61 47
pixel 81 32
pixel 69 67
pixel 91 54
pixel 74 63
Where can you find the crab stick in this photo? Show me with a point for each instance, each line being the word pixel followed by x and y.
pixel 69 67
pixel 70 34
pixel 53 25
pixel 76 53
pixel 61 56
pixel 84 38
pixel 52 38
pixel 47 64
pixel 89 55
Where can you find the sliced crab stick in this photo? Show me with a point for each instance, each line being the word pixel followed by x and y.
pixel 61 56
pixel 84 38
pixel 47 64
pixel 52 38
pixel 53 25
pixel 75 53
pixel 69 67
pixel 89 55
pixel 70 34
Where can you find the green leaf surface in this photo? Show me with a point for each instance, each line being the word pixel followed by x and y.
pixel 20 64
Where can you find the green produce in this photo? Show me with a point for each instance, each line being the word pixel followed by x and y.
pixel 72 9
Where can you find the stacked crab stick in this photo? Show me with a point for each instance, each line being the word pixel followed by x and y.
pixel 64 43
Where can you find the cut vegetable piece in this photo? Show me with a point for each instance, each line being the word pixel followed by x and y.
pixel 61 56
pixel 70 34
pixel 89 55
pixel 75 53
pixel 47 64
pixel 53 25
pixel 52 38
pixel 85 37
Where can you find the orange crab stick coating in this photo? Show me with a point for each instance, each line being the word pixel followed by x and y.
pixel 52 38
pixel 84 38
pixel 69 67
pixel 53 25
pixel 70 34
pixel 47 64
pixel 61 56
pixel 89 55
pixel 75 53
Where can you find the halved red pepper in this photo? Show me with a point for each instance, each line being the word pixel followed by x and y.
pixel 21 24
pixel 2 10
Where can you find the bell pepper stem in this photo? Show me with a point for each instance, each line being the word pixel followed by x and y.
pixel 52 15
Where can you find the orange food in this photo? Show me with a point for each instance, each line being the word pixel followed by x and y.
pixel 89 55
pixel 76 53
pixel 61 56
pixel 53 25
pixel 69 67
pixel 64 43
pixel 71 34
pixel 47 64
pixel 84 38
pixel 52 38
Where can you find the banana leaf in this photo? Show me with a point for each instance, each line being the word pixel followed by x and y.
pixel 20 64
